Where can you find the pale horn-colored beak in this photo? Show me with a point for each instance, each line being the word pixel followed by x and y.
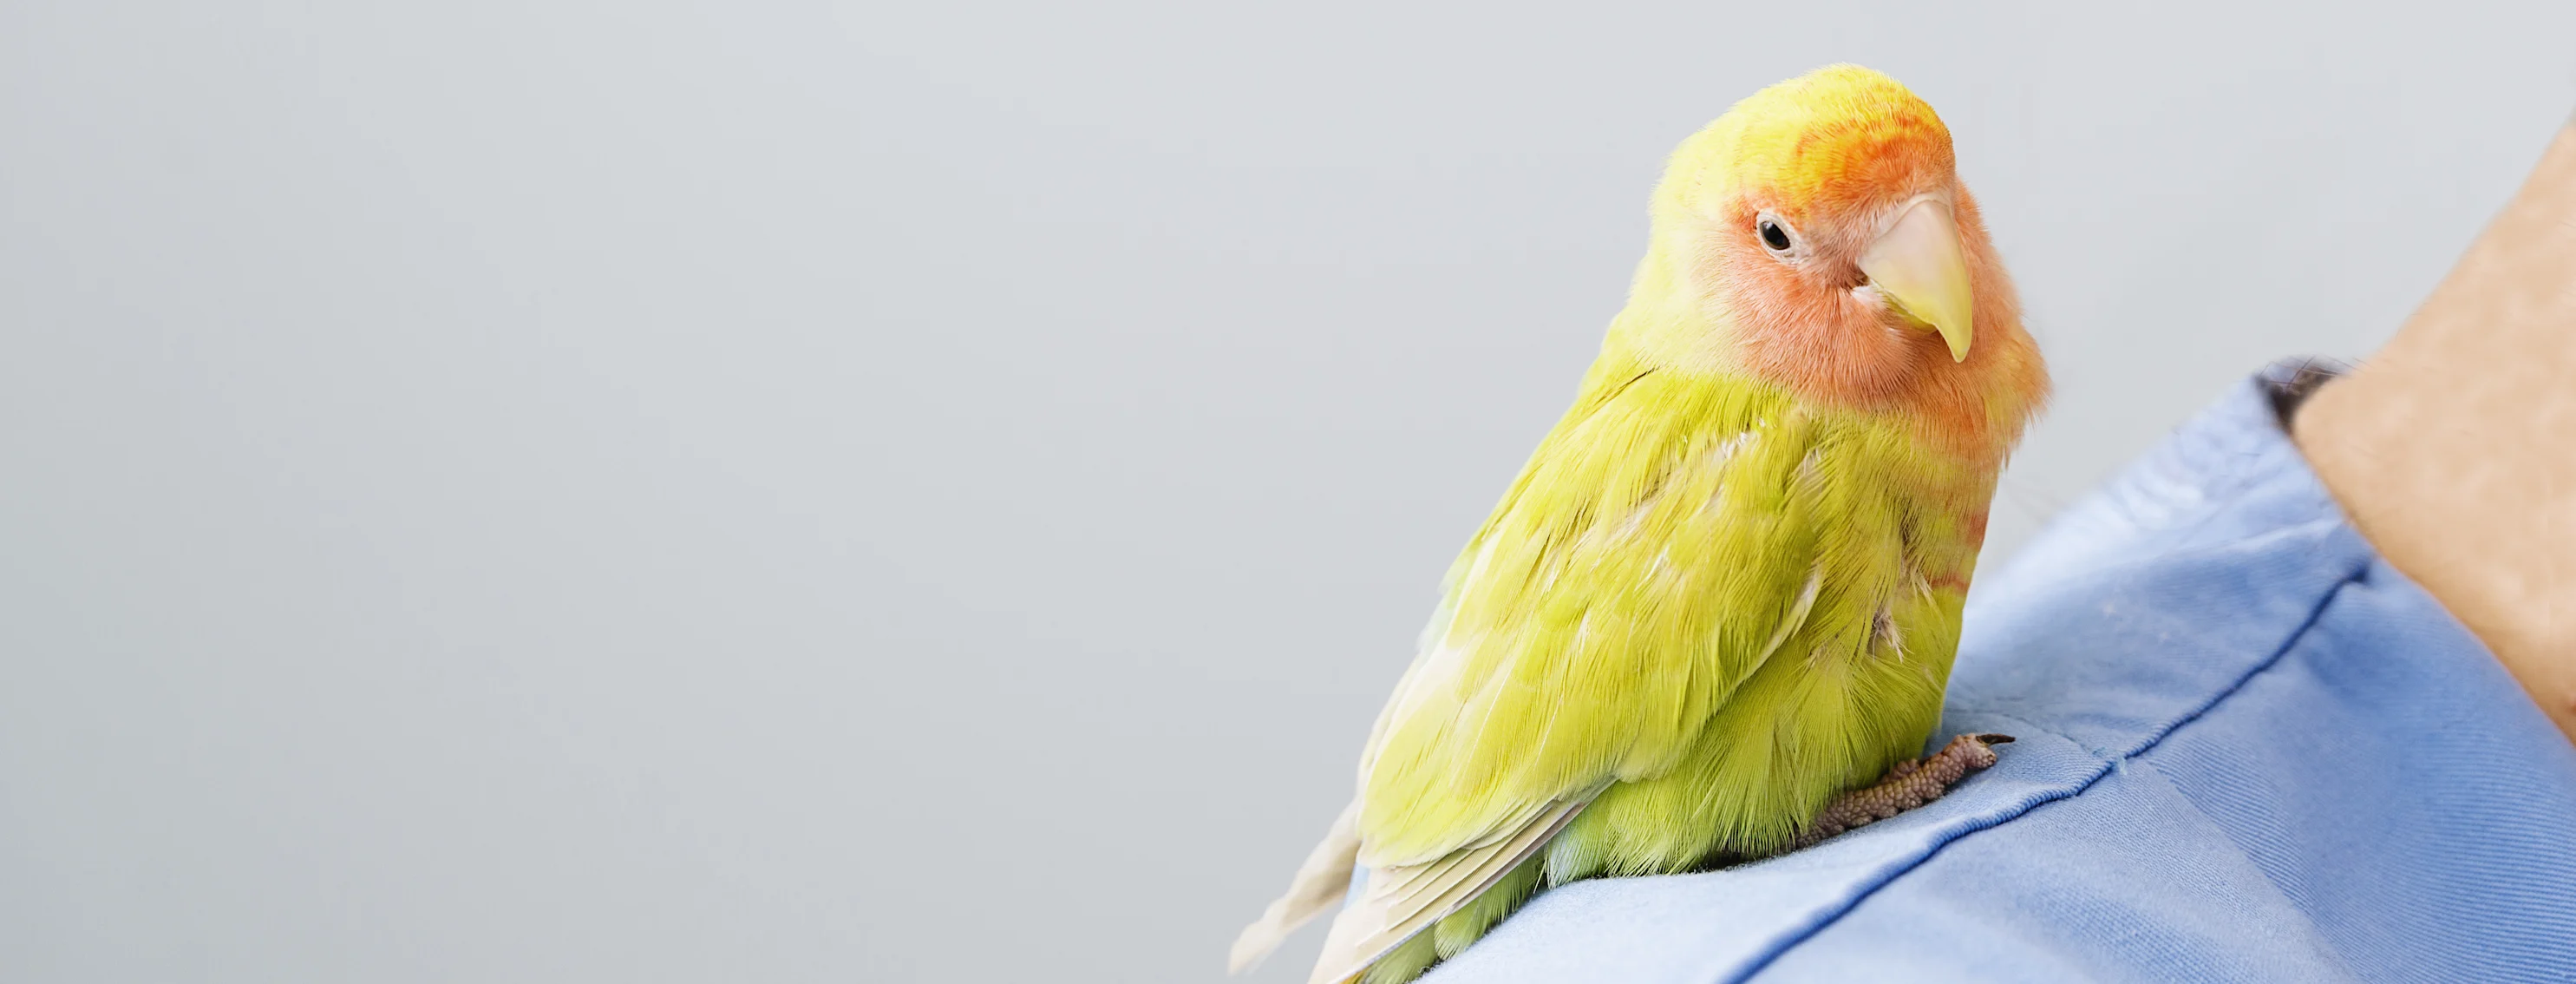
pixel 1917 266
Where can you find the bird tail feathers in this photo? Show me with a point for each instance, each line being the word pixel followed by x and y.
pixel 1320 882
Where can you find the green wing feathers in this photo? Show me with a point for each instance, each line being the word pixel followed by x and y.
pixel 1600 616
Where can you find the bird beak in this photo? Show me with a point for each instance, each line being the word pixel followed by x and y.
pixel 1917 266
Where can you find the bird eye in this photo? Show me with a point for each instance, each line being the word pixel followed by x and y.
pixel 1773 236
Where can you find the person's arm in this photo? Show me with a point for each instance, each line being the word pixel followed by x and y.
pixel 2454 449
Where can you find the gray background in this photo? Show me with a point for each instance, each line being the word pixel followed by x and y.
pixel 633 493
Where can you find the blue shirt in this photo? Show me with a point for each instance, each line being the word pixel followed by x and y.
pixel 2249 750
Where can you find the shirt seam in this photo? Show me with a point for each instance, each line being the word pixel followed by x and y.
pixel 2108 764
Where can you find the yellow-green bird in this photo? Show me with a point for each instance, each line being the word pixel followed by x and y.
pixel 1726 588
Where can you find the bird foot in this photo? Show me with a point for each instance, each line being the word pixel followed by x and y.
pixel 1906 785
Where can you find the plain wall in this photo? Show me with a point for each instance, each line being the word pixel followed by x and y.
pixel 908 492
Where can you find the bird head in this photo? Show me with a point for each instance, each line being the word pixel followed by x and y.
pixel 1817 237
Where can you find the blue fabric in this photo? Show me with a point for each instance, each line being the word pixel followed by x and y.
pixel 2249 751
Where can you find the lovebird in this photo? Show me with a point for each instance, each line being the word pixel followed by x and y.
pixel 1723 596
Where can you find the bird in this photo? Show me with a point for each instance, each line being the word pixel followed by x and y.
pixel 1723 595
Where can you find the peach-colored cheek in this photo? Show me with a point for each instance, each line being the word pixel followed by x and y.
pixel 1814 338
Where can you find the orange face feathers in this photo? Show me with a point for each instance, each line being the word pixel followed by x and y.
pixel 1817 237
pixel 1838 138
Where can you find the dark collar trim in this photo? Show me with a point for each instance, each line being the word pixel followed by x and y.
pixel 2290 382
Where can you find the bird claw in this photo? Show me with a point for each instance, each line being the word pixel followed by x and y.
pixel 1906 785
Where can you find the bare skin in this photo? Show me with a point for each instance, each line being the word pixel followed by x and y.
pixel 2454 449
